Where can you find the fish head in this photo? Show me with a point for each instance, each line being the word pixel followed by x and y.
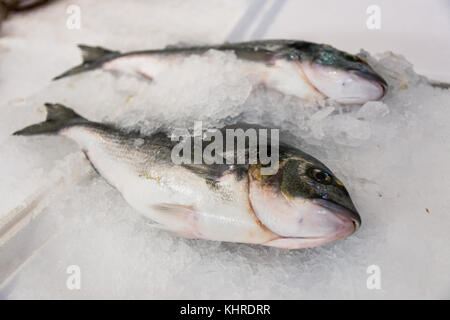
pixel 342 77
pixel 303 201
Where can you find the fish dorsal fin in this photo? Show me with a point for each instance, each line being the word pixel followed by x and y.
pixel 91 54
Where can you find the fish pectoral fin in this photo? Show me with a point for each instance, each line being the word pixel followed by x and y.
pixel 176 209
pixel 144 75
pixel 181 220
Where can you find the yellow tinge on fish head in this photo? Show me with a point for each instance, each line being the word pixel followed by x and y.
pixel 303 203
pixel 340 76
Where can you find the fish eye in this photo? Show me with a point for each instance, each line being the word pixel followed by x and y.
pixel 292 56
pixel 321 176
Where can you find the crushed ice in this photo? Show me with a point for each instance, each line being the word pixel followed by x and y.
pixel 392 155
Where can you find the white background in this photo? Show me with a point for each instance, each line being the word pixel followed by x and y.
pixel 417 29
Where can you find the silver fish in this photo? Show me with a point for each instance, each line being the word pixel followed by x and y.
pixel 307 70
pixel 301 205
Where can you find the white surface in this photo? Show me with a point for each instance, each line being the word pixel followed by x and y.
pixel 392 156
pixel 417 30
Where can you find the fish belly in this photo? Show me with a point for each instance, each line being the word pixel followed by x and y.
pixel 148 66
pixel 282 75
pixel 184 204
pixel 175 198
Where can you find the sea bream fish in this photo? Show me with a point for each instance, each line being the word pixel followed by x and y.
pixel 303 204
pixel 307 70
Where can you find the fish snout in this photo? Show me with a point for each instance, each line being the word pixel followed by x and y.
pixel 347 222
pixel 349 87
pixel 320 222
pixel 374 79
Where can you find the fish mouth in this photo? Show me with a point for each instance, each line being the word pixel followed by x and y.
pixel 346 223
pixel 373 78
pixel 341 212
pixel 346 86
pixel 300 221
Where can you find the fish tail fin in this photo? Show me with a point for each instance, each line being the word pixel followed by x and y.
pixel 93 57
pixel 58 117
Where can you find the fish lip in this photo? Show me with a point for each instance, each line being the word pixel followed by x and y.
pixel 347 222
pixel 373 77
pixel 341 212
pixel 365 73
